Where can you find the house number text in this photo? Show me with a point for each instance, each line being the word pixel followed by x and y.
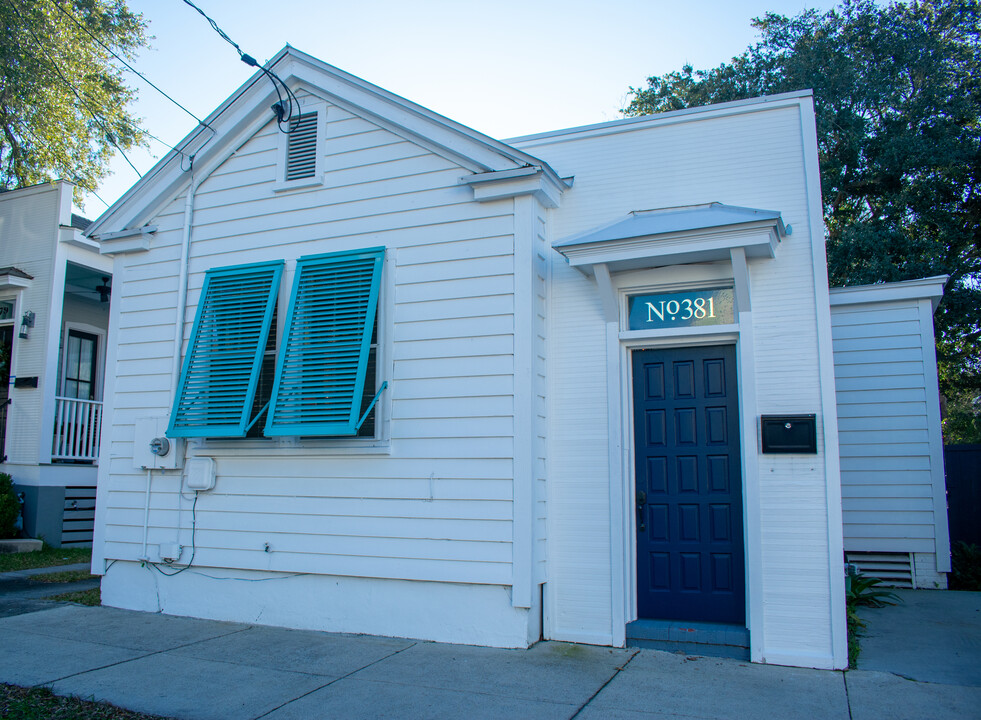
pixel 681 309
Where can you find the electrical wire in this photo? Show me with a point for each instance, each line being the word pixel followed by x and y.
pixel 194 524
pixel 75 178
pixel 130 67
pixel 284 111
pixel 107 132
pixel 99 121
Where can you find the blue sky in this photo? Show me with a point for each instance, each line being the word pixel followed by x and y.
pixel 505 68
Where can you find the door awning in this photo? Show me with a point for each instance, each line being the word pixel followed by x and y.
pixel 674 236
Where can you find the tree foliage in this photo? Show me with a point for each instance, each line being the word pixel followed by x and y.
pixel 63 103
pixel 897 94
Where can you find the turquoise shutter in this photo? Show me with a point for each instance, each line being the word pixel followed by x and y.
pixel 221 369
pixel 320 373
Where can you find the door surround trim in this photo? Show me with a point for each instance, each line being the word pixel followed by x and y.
pixel 622 519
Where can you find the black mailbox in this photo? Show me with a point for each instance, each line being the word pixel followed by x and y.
pixel 789 434
pixel 23 382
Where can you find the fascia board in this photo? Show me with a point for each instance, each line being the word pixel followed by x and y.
pixel 643 122
pixel 166 179
pixel 673 249
pixel 73 236
pixel 511 183
pixel 931 288
pixel 142 193
pixel 14 282
pixel 411 117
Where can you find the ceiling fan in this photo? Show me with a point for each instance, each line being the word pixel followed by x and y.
pixel 104 290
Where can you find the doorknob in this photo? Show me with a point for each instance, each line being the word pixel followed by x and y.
pixel 641 501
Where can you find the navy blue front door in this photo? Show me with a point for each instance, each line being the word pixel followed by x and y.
pixel 689 495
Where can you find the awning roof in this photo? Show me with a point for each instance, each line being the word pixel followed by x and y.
pixel 672 236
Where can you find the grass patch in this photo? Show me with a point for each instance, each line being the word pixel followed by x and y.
pixel 45 557
pixel 66 576
pixel 20 703
pixel 91 597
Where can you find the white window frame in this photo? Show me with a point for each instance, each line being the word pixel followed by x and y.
pixel 100 355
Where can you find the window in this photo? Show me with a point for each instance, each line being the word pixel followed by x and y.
pixel 81 365
pixel 323 361
pixel 224 358
pixel 320 382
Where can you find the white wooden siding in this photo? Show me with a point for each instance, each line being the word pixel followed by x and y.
pixel 753 159
pixel 437 504
pixel 28 237
pixel 887 472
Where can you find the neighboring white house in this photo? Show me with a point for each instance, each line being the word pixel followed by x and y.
pixel 54 316
pixel 894 498
pixel 384 374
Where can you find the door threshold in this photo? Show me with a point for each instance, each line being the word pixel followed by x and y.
pixel 695 638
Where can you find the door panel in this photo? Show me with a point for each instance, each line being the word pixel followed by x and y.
pixel 689 496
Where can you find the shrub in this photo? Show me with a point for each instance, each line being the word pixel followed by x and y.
pixel 965 567
pixel 862 591
pixel 9 507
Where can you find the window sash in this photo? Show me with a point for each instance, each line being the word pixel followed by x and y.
pixel 221 369
pixel 322 362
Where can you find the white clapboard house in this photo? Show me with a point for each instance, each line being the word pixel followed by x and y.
pixel 55 290
pixel 894 498
pixel 384 374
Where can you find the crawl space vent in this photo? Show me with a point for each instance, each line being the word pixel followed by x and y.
pixel 893 568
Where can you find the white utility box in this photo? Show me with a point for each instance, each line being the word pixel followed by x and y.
pixel 199 475
pixel 152 449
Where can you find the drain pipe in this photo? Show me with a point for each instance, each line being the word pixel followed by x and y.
pixel 175 370
pixel 182 285
pixel 146 515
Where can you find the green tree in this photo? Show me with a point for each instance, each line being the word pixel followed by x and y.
pixel 897 94
pixel 63 103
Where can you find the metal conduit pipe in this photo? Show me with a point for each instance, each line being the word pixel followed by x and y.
pixel 175 370
pixel 182 285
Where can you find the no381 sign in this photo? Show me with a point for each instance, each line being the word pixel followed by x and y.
pixel 681 309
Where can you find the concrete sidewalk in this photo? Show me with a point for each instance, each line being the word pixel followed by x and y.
pixel 19 594
pixel 188 668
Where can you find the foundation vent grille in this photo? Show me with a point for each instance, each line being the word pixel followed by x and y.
pixel 893 568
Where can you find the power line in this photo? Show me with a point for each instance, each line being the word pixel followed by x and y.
pixel 224 35
pixel 132 125
pixel 107 133
pixel 75 178
pixel 284 111
pixel 130 67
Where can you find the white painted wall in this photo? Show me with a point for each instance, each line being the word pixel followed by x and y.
pixel 491 475
pixel 748 155
pixel 431 501
pixel 892 477
pixel 28 236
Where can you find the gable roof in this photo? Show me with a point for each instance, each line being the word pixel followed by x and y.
pixel 247 110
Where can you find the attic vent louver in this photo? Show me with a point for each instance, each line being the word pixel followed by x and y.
pixel 301 150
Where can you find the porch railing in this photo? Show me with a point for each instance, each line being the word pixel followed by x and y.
pixel 78 424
